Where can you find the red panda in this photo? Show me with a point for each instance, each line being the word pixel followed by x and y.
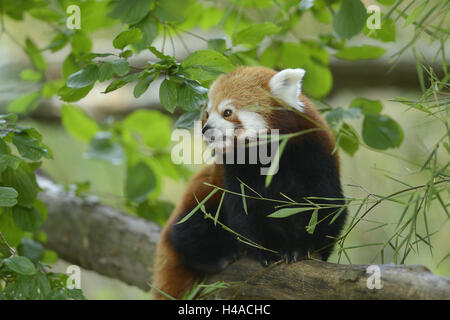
pixel 308 168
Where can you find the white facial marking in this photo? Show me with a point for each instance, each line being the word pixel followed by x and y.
pixel 286 85
pixel 252 122
pixel 222 130
pixel 216 121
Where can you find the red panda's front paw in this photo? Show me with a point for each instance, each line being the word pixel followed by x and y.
pixel 294 256
pixel 266 258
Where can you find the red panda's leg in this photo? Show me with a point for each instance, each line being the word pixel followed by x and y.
pixel 170 275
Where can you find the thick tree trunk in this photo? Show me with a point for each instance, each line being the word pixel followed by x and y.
pixel 121 246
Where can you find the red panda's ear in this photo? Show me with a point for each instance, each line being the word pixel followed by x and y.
pixel 286 86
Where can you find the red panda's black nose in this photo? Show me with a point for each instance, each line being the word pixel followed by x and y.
pixel 205 128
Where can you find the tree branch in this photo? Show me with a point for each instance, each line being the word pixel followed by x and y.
pixel 121 246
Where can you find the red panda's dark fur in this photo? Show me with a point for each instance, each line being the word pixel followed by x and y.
pixel 175 268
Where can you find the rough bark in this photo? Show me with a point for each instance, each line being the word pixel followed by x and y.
pixel 121 246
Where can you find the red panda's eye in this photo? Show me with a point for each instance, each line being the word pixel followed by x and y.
pixel 227 113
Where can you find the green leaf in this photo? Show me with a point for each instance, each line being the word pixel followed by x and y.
pixel 103 148
pixel 50 256
pixel 45 14
pixel 69 66
pixel 387 32
pixel 140 182
pixel 25 103
pixel 168 95
pixel 270 57
pixel 24 182
pixel 50 88
pixel 29 147
pixel 143 85
pixel 81 43
pixel 187 119
pixel 126 54
pixel 255 33
pixel 105 71
pixel 43 284
pixel 348 139
pixel 8 116
pixel 8 160
pixel 41 209
pixel 58 42
pixel 350 19
pixel 27 219
pixel 287 212
pixel 35 55
pixel 77 123
pixel 367 106
pixel 415 14
pixel 332 41
pixel 31 75
pixel 132 77
pixel 318 79
pixel 149 29
pixel 191 97
pixel 153 127
pixel 206 65
pixel 83 78
pixel 75 294
pixel 363 52
pixel 217 44
pixel 244 200
pixel 211 16
pixel 93 14
pixel 31 249
pixel 338 114
pixel 312 222
pixel 160 55
pixel 198 206
pixel 321 12
pixel 120 67
pixel 8 197
pixel 381 132
pixel 130 11
pixel 114 85
pixel 20 265
pixel 40 236
pixel 171 11
pixel 158 212
pixel 4 148
pixel 127 37
pixel 10 231
pixel 71 95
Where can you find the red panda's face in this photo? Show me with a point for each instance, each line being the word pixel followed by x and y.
pixel 241 103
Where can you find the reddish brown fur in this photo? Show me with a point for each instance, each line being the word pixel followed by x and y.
pixel 246 86
pixel 170 275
